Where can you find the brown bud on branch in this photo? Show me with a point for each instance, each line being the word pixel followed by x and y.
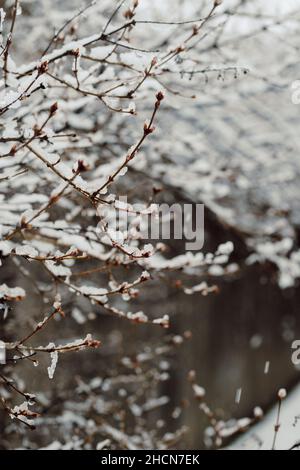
pixel 43 67
pixel 53 108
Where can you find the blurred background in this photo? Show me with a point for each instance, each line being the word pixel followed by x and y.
pixel 237 151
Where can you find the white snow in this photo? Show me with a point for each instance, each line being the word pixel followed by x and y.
pixel 54 360
pixel 260 436
pixel 11 293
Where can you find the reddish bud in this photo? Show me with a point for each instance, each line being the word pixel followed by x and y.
pixel 76 52
pixel 156 190
pixel 81 166
pixel 148 130
pixel 129 14
pixel 160 96
pixel 154 61
pixel 53 108
pixel 13 150
pixel 43 67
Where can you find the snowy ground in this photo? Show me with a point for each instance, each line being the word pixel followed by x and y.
pixel 261 436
